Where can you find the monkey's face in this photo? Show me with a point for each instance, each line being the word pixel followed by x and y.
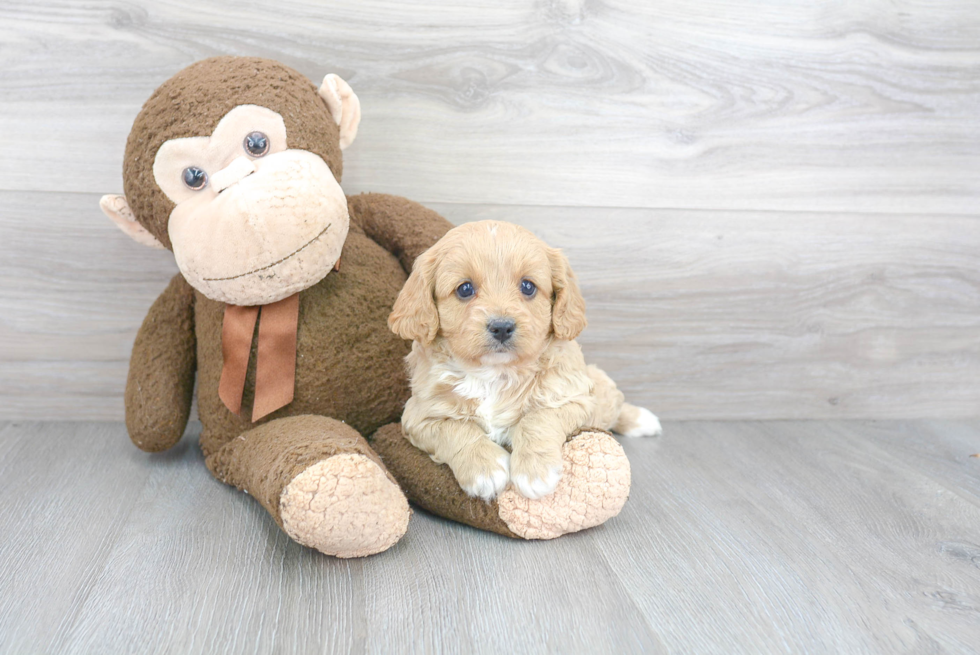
pixel 254 221
pixel 252 214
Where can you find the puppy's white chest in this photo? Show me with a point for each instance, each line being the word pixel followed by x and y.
pixel 489 389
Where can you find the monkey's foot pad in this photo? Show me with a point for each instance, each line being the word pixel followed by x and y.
pixel 344 506
pixel 594 486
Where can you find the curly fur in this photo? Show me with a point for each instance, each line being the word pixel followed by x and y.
pixel 473 395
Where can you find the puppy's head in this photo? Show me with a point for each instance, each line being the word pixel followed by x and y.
pixel 493 291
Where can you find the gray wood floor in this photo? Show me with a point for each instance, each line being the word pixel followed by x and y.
pixel 792 536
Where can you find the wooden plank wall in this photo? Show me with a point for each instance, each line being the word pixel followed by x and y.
pixel 774 207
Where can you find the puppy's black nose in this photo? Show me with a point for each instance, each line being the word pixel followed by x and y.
pixel 501 328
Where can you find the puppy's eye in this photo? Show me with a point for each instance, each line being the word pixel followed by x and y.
pixel 465 290
pixel 528 288
pixel 256 144
pixel 194 178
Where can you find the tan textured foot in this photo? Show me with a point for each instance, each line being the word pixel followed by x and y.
pixel 345 506
pixel 594 486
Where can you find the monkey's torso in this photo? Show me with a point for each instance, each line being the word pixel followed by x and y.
pixel 349 365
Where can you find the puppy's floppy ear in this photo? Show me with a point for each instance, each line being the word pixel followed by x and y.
pixel 568 311
pixel 414 315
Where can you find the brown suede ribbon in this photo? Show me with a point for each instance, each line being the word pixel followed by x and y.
pixel 275 365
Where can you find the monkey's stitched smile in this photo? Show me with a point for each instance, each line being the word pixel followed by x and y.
pixel 275 263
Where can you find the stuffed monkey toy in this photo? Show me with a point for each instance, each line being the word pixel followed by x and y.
pixel 279 314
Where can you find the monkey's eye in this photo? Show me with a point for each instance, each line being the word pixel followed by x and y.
pixel 195 178
pixel 465 290
pixel 256 144
pixel 528 288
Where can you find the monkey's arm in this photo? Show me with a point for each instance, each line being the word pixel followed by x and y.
pixel 161 371
pixel 402 227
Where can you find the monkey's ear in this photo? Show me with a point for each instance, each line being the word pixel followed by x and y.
pixel 117 209
pixel 415 315
pixel 343 105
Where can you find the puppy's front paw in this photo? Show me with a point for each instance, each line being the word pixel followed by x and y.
pixel 533 475
pixel 482 469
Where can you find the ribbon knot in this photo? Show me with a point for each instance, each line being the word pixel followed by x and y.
pixel 275 365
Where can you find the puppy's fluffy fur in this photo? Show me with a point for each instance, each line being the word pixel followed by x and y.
pixel 528 387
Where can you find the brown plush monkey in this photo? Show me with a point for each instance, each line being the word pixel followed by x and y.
pixel 279 312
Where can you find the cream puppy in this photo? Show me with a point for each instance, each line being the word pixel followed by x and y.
pixel 493 312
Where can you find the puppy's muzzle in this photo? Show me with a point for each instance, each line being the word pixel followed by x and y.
pixel 501 329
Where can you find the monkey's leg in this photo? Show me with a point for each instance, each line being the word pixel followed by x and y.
pixel 320 481
pixel 594 486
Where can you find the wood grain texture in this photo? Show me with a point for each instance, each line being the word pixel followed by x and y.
pixel 788 536
pixel 773 208
pixel 836 106
pixel 802 528
pixel 695 314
